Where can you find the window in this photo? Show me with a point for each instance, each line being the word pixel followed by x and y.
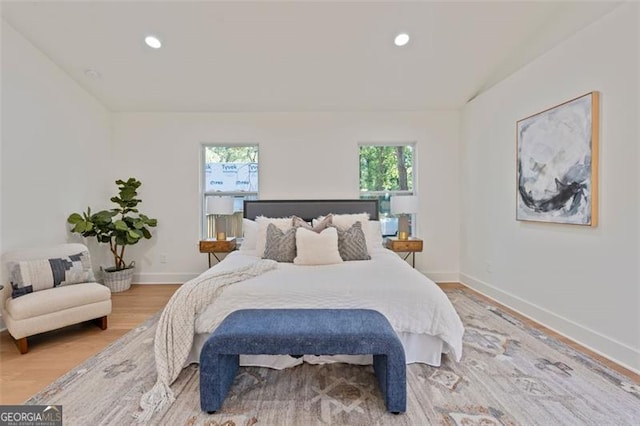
pixel 231 171
pixel 386 170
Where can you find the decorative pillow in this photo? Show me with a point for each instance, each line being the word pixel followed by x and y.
pixel 373 235
pixel 317 248
pixel 27 276
pixel 345 221
pixel 250 233
pixel 352 244
pixel 280 246
pixel 283 224
pixel 318 225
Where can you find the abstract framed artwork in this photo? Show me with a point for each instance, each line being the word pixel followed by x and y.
pixel 557 163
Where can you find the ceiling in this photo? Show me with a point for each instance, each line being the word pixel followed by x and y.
pixel 294 56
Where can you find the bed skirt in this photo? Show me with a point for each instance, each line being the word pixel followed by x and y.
pixel 420 348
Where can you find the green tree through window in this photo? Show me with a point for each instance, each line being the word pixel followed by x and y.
pixel 386 170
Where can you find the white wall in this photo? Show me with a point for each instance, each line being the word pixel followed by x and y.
pixel 581 281
pixel 56 147
pixel 59 155
pixel 302 155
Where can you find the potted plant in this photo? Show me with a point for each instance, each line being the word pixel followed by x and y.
pixel 119 227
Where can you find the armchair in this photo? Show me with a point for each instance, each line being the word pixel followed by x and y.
pixel 45 307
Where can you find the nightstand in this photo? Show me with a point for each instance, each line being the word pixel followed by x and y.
pixel 410 247
pixel 215 247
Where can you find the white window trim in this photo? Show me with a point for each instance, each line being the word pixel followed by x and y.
pixel 414 174
pixel 203 184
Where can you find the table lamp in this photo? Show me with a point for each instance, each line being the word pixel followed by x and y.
pixel 404 206
pixel 220 207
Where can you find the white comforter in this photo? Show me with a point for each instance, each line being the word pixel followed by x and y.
pixel 411 302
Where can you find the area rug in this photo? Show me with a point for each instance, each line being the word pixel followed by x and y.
pixel 510 374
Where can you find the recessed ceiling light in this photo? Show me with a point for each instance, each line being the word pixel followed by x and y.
pixel 91 73
pixel 401 39
pixel 153 41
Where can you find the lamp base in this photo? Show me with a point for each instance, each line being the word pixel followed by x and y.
pixel 403 227
pixel 221 228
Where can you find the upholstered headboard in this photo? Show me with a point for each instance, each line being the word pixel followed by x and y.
pixel 308 209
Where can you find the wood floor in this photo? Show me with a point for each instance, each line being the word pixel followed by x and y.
pixel 53 354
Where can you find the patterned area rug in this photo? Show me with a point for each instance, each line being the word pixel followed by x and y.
pixel 509 375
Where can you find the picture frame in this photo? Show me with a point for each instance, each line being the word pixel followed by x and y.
pixel 557 163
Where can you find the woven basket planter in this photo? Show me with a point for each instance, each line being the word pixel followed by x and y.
pixel 118 281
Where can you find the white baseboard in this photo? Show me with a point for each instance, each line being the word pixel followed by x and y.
pixel 609 348
pixel 442 277
pixel 164 278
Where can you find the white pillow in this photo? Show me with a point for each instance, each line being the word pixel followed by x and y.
pixel 346 221
pixel 317 249
pixel 250 232
pixel 373 235
pixel 282 223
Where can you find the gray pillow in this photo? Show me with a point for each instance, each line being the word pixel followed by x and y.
pixel 352 244
pixel 280 246
pixel 317 227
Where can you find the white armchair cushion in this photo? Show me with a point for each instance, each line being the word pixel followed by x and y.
pixel 57 299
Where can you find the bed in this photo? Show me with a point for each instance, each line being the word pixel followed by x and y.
pixel 418 310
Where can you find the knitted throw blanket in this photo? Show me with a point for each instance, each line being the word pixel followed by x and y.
pixel 176 329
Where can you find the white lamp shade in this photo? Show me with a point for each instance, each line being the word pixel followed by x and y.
pixel 219 205
pixel 404 204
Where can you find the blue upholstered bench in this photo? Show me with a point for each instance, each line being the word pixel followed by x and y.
pixel 302 331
